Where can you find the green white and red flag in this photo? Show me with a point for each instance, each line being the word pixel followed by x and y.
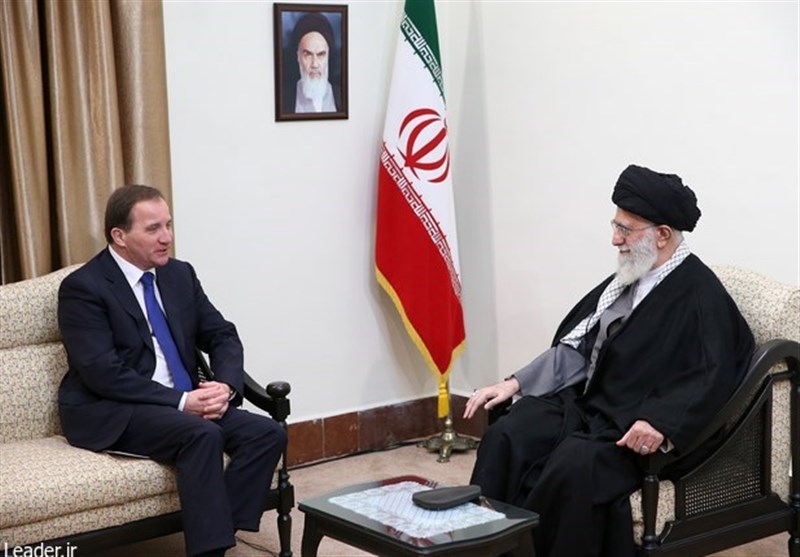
pixel 416 252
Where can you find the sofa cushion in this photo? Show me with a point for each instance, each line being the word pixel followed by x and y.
pixel 769 307
pixel 29 379
pixel 32 359
pixel 28 310
pixel 48 478
pixel 69 525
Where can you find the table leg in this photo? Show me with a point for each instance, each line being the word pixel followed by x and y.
pixel 525 547
pixel 311 538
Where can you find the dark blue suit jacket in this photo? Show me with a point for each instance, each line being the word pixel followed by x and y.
pixel 110 349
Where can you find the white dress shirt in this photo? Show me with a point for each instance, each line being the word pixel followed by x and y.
pixel 133 275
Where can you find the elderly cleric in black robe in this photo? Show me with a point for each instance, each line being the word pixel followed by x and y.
pixel 642 362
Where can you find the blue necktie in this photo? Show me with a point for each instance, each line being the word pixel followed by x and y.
pixel 161 329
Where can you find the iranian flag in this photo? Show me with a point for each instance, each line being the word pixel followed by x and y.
pixel 416 254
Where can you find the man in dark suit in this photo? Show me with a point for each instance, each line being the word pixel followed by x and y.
pixel 132 383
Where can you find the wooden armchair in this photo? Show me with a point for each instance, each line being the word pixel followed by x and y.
pixel 749 487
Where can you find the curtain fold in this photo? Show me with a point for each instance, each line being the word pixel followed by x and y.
pixel 84 122
pixel 84 107
pixel 139 27
pixel 25 222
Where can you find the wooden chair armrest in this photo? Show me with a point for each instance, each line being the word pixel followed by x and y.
pixel 764 358
pixel 273 400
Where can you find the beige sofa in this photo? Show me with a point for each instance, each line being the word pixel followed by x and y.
pixel 52 492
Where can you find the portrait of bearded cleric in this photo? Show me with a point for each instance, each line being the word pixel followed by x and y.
pixel 310 62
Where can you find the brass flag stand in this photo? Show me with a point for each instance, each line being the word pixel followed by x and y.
pixel 448 440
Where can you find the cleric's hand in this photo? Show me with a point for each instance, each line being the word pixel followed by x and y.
pixel 642 438
pixel 491 396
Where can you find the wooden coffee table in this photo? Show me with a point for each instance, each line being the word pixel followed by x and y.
pixel 380 518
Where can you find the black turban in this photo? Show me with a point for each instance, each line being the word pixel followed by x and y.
pixel 313 21
pixel 659 198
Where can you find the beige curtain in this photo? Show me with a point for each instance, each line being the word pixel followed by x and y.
pixel 83 110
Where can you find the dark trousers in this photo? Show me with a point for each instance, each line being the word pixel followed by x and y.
pixel 214 502
pixel 547 455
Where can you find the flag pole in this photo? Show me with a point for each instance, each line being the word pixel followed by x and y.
pixel 448 440
pixel 416 248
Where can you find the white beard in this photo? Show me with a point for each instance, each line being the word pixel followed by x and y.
pixel 635 264
pixel 314 88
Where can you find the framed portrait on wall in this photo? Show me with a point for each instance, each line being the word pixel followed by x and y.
pixel 310 61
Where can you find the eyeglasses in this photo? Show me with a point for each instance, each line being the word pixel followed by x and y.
pixel 625 231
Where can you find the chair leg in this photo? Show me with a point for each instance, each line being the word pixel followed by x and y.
pixel 284 508
pixel 649 511
pixel 285 534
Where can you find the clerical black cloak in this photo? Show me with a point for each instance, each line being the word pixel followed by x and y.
pixel 677 358
pixel 674 362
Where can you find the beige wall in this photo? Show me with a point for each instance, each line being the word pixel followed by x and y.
pixel 548 103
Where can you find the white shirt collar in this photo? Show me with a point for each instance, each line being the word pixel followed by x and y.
pixel 655 276
pixel 647 282
pixel 132 273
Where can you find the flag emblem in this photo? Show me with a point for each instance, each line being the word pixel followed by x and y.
pixel 424 134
